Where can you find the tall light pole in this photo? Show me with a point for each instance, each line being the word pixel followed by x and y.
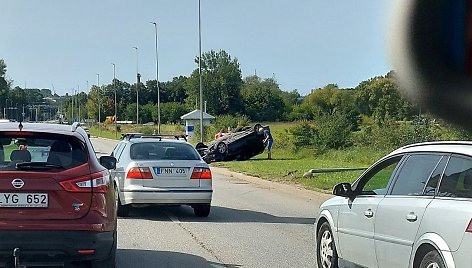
pixel 200 68
pixel 78 102
pixel 72 109
pixel 99 103
pixel 5 109
pixel 87 89
pixel 114 88
pixel 157 81
pixel 137 86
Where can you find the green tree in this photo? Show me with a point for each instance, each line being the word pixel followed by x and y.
pixel 4 87
pixel 171 112
pixel 175 90
pixel 262 99
pixel 221 83
pixel 330 101
pixel 379 97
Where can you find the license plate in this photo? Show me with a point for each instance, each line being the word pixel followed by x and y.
pixel 162 171
pixel 24 200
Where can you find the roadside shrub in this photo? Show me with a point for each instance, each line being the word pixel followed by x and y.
pixel 146 130
pixel 283 140
pixel 207 132
pixel 392 134
pixel 230 121
pixel 303 135
pixel 332 132
pixel 327 132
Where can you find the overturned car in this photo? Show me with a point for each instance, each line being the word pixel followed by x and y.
pixel 242 144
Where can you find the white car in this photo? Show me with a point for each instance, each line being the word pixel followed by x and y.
pixel 412 208
pixel 155 170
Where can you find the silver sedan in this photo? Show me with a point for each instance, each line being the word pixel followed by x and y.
pixel 154 170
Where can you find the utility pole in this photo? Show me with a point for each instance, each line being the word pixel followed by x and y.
pixel 99 106
pixel 114 88
pixel 138 76
pixel 157 81
pixel 200 68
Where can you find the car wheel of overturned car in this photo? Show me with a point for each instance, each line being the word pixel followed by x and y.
pixel 200 145
pixel 202 210
pixel 222 148
pixel 257 127
pixel 326 254
pixel 432 259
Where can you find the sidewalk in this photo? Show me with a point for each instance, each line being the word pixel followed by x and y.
pixel 292 189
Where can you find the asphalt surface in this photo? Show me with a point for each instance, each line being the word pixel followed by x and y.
pixel 253 223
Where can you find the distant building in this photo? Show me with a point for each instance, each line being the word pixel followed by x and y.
pixel 192 119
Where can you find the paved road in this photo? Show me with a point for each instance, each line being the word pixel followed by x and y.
pixel 253 223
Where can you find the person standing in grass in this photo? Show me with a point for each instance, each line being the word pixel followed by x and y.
pixel 268 140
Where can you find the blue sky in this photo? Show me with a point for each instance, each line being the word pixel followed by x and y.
pixel 305 44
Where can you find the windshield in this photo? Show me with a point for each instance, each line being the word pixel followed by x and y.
pixel 163 151
pixel 40 151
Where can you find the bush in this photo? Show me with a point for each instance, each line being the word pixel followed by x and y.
pixel 146 130
pixel 333 132
pixel 230 122
pixel 392 134
pixel 303 135
pixel 327 132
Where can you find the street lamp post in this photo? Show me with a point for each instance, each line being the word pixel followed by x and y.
pixel 99 105
pixel 157 81
pixel 71 109
pixel 5 110
pixel 114 88
pixel 78 103
pixel 137 86
pixel 200 68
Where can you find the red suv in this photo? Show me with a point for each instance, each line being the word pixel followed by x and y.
pixel 57 202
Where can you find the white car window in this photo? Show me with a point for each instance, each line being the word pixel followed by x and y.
pixel 414 174
pixel 433 182
pixel 375 182
pixel 163 151
pixel 457 179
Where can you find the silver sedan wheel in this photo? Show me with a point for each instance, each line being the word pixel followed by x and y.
pixel 433 265
pixel 326 249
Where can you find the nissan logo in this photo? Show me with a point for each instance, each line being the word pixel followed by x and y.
pixel 17 183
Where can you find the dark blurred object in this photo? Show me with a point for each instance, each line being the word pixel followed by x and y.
pixel 432 55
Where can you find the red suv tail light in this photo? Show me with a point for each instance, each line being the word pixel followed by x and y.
pixel 143 173
pixel 469 227
pixel 98 182
pixel 201 173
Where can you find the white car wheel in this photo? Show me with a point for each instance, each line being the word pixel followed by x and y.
pixel 326 250
pixel 432 260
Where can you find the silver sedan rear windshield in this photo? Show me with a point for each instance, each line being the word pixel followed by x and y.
pixel 163 151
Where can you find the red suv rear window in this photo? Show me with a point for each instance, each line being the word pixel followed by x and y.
pixel 40 151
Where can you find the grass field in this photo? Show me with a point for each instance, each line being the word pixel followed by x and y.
pixel 286 166
pixel 289 168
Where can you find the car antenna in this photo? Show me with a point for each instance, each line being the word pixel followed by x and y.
pixel 20 126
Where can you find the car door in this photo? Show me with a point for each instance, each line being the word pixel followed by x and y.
pixel 357 216
pixel 400 212
pixel 449 214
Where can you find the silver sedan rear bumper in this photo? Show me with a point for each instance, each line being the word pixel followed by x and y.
pixel 166 196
